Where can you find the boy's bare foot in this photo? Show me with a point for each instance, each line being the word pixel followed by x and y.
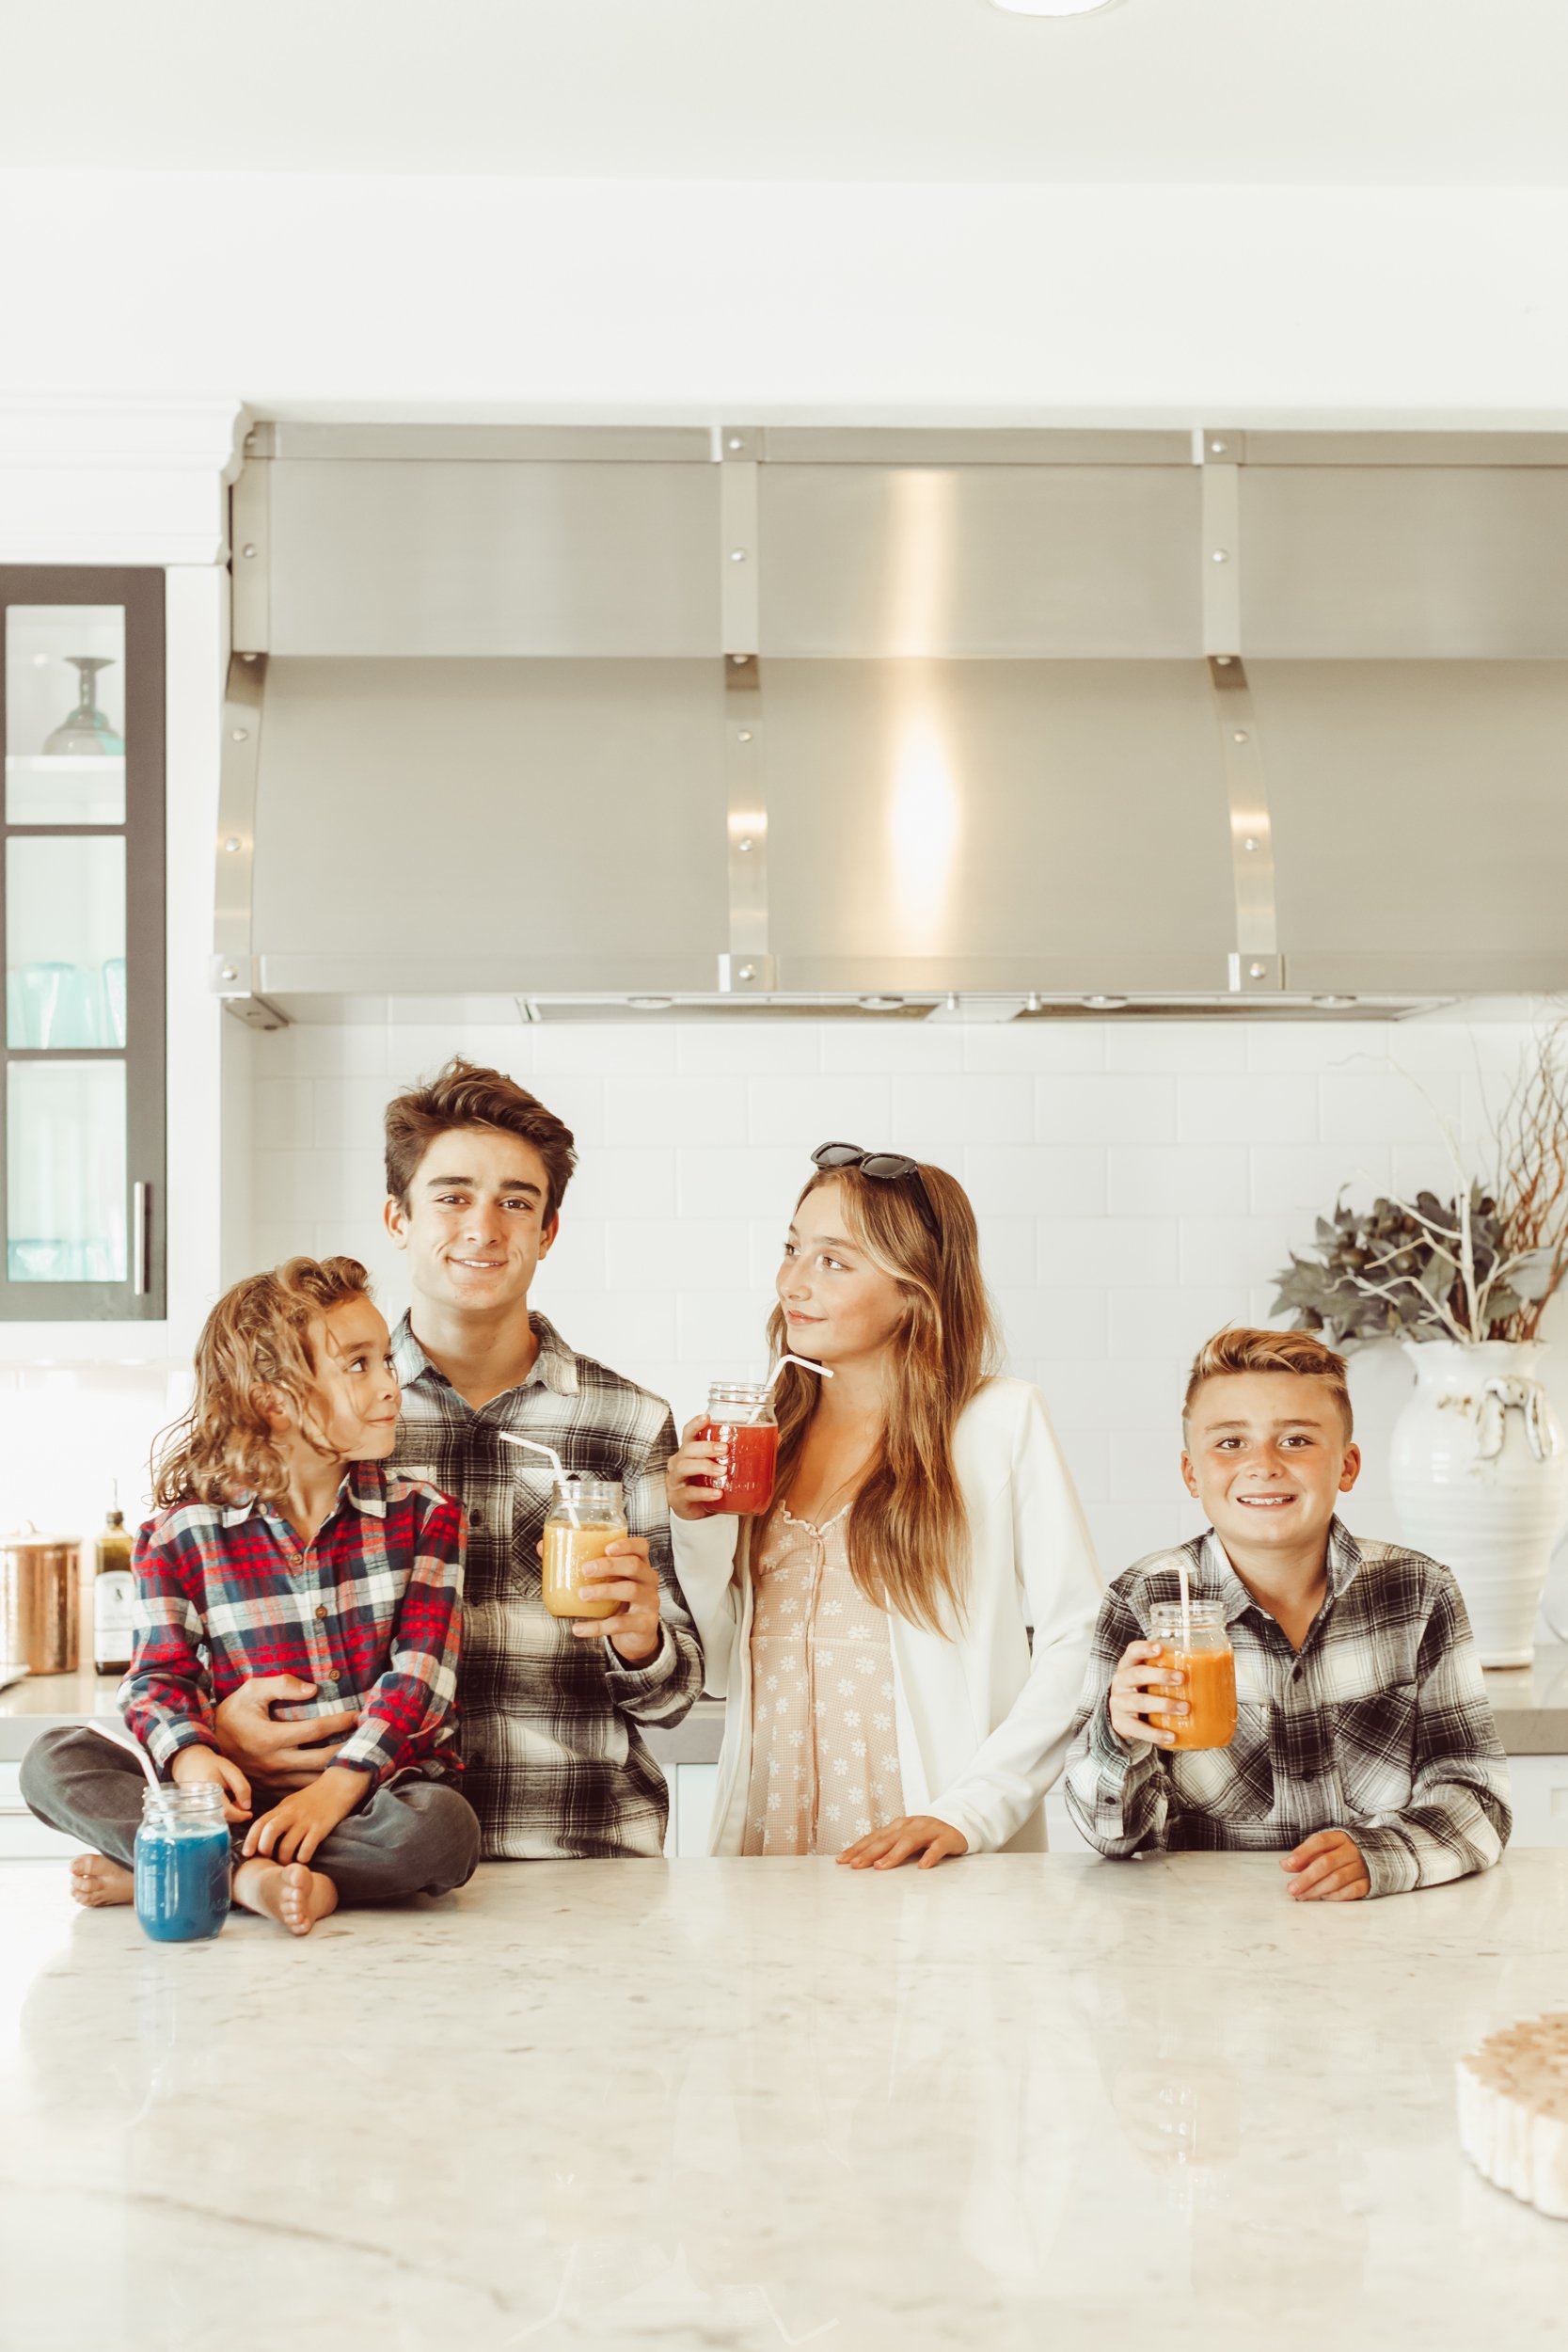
pixel 285 1891
pixel 95 1880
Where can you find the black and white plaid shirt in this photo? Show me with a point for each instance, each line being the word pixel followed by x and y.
pixel 555 1765
pixel 1380 1725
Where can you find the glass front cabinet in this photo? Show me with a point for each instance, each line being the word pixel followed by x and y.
pixel 81 1112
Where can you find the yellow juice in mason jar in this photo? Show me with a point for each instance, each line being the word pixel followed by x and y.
pixel 574 1534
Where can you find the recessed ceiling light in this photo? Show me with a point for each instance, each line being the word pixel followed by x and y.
pixel 650 1004
pixel 1106 1004
pixel 1333 1004
pixel 881 1004
pixel 1053 8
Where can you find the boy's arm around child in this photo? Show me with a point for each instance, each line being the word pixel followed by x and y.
pixel 403 1714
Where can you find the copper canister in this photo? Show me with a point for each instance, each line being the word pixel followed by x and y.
pixel 38 1579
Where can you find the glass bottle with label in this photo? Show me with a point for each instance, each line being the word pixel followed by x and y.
pixel 111 1636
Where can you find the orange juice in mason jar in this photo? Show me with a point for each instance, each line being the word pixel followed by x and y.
pixel 587 1517
pixel 1201 1653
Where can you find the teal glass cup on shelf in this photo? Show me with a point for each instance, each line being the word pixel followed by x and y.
pixel 53 1007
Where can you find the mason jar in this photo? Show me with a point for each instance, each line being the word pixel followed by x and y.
pixel 182 1861
pixel 1201 1652
pixel 740 1417
pixel 587 1516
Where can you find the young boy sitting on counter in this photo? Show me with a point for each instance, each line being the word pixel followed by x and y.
pixel 1364 1749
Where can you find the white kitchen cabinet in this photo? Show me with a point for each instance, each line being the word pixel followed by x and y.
pixel 22 1839
pixel 1540 1800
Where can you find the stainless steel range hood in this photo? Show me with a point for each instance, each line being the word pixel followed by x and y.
pixel 805 717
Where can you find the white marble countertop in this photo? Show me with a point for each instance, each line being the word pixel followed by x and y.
pixel 1016 2103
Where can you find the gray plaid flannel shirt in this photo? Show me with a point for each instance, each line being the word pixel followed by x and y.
pixel 555 1765
pixel 1381 1725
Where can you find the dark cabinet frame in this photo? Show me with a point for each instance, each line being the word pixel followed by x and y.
pixel 142 1296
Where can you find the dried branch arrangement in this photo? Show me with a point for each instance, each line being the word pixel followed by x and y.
pixel 1478 1267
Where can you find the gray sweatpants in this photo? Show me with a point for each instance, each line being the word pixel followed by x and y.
pixel 412 1837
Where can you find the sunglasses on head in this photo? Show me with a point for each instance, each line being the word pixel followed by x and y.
pixel 885 1167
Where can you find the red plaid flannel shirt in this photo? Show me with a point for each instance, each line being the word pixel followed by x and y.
pixel 370 1612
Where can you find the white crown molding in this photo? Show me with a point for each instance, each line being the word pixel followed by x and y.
pixel 118 480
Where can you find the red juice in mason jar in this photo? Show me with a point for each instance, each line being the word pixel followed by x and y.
pixel 740 1419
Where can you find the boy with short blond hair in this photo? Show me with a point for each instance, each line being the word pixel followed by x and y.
pixel 1364 1751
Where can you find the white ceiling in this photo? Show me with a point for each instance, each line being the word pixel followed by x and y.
pixel 1345 91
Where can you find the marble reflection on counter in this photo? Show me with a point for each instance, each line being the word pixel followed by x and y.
pixel 1018 2101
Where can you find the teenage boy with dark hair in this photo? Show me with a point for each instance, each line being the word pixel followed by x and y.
pixel 555 1763
pixel 1365 1745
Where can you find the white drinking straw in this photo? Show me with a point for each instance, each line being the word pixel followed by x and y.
pixel 132 1747
pixel 554 1460
pixel 822 1371
pixel 1186 1606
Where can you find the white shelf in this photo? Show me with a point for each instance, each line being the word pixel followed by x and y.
pixel 64 788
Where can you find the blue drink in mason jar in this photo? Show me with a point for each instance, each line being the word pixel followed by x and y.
pixel 182 1861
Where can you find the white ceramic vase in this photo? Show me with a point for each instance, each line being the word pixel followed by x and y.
pixel 1478 1470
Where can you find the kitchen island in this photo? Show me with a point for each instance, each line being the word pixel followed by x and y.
pixel 1017 2101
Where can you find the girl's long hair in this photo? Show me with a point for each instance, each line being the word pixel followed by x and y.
pixel 257 1339
pixel 908 1531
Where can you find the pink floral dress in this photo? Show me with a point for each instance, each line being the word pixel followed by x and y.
pixel 824 1739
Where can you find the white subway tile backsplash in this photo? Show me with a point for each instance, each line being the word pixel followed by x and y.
pixel 1176 1180
pixel 1174 1045
pixel 1136 1183
pixel 1051 1323
pixel 607 1050
pixel 1102 1106
pixel 1385 1106
pixel 624 1180
pixel 740 1179
pixel 1247 1106
pixel 830 1108
pixel 1034 1180
pixel 1008 1250
pixel 284 1114
pixel 1145 1466
pixel 416 1050
pixel 321 1049
pixel 1120 1252
pixel 879 1048
pixel 712 1254
pixel 578 1257
pixel 1246 1249
pixel 1126 1532
pixel 722 1334
pixel 298 1187
pixel 775 1049
pixel 1125 1392
pixel 1173 1322
pixel 1032 1045
pixel 1315 1046
pixel 1308 1177
pixel 351 1113
pixel 930 1115
pixel 674 1110
pixel 578 1098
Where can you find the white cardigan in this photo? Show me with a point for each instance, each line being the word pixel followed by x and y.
pixel 982 1723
